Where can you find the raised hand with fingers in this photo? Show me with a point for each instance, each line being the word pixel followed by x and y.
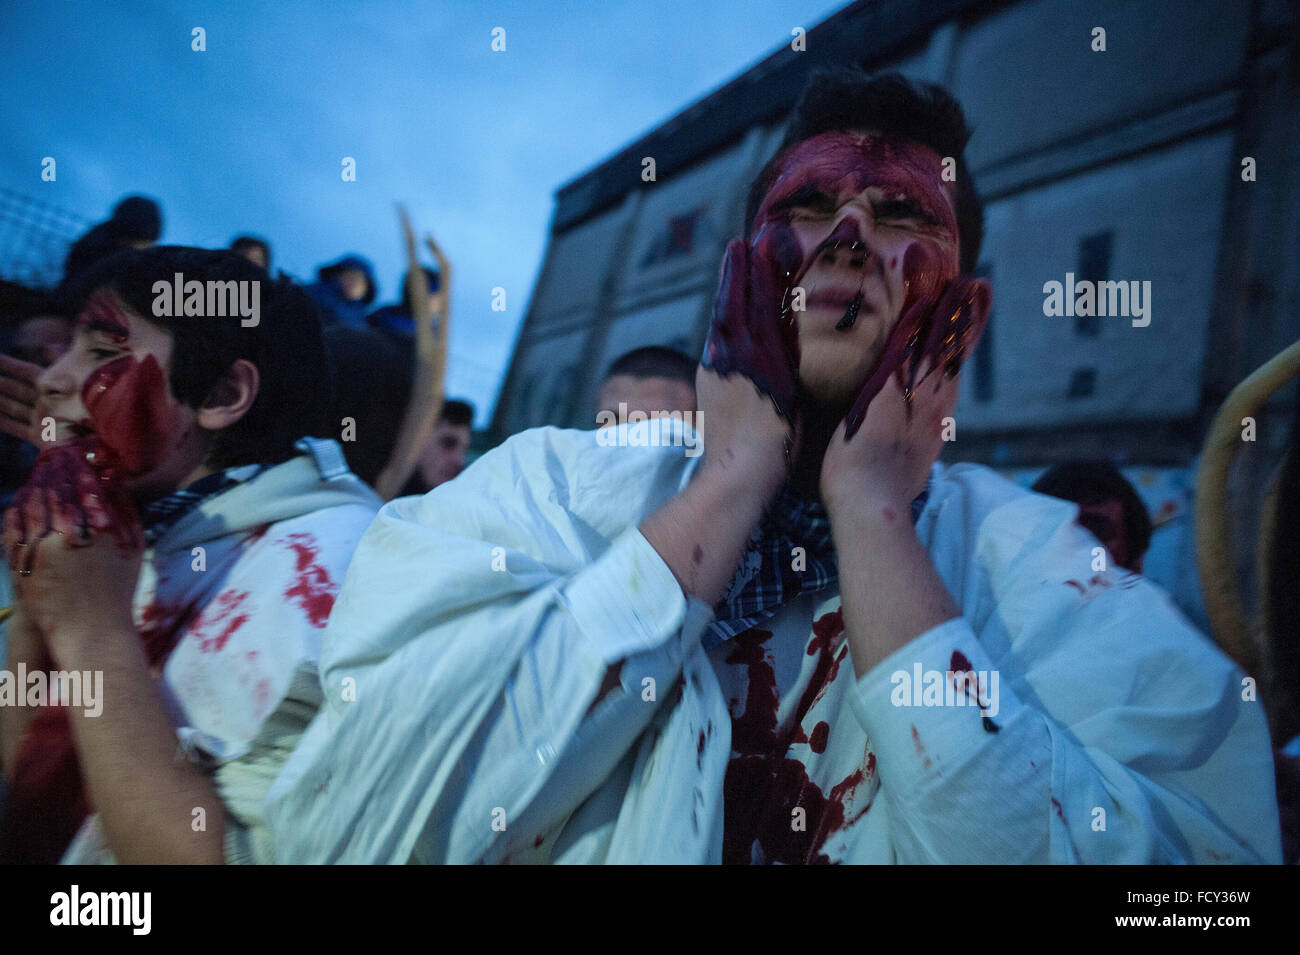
pixel 751 332
pixel 432 333
pixel 18 398
pixel 934 330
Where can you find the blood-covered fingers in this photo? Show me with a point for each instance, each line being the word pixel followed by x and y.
pixel 747 333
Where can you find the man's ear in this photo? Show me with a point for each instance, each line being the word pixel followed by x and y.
pixel 231 397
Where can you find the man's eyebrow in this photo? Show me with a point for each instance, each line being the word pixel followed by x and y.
pixel 107 326
pixel 923 210
pixel 804 195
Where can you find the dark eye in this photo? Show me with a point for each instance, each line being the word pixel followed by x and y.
pixel 102 353
pixel 807 199
pixel 903 209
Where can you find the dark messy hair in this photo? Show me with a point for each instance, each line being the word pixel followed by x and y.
pixel 285 346
pixel 850 99
pixel 457 412
pixel 1094 482
pixel 655 361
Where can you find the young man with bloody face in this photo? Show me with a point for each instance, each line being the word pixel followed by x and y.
pixel 814 644
pixel 176 537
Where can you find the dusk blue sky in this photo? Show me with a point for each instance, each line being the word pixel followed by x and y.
pixel 249 135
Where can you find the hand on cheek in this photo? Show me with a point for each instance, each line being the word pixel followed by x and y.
pixel 881 454
pixel 747 333
pixel 886 463
pixel 133 415
pixel 937 323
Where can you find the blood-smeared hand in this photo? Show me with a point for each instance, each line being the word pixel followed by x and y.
pixel 76 594
pixel 73 494
pixel 749 333
pixel 881 454
pixel 73 537
pixel 887 462
pixel 936 328
pixel 18 398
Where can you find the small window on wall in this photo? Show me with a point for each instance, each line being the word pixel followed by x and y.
pixel 676 238
pixel 1094 266
pixel 1082 383
pixel 981 362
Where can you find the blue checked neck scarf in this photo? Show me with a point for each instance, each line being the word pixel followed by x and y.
pixel 158 517
pixel 766 579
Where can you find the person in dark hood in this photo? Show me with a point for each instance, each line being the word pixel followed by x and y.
pixel 344 291
pixel 136 223
pixel 395 320
pixel 1109 507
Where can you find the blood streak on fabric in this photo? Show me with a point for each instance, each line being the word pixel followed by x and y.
pixel 958 665
pixel 262 695
pixel 313 590
pixel 841 796
pixel 821 732
pixel 160 625
pixel 1059 813
pixel 763 785
pixel 223 613
pixel 825 629
pixel 920 748
pixel 1075 584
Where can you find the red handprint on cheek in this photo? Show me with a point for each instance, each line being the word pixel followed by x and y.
pixel 131 414
pixel 933 330
pixel 78 488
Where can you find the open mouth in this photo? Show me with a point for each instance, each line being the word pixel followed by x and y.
pixel 65 430
pixel 848 302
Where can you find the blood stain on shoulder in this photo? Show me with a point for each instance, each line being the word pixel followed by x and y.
pixel 312 589
pixel 220 619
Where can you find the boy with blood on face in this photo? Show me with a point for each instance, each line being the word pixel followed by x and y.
pixel 710 659
pixel 182 537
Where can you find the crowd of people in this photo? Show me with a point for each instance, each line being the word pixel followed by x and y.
pixel 320 641
pixel 370 352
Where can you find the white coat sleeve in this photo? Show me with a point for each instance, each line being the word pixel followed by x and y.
pixel 485 666
pixel 1119 733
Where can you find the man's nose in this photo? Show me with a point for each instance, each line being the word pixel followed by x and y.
pixel 56 381
pixel 850 240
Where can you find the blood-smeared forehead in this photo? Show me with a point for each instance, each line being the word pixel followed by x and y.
pixel 104 312
pixel 843 164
